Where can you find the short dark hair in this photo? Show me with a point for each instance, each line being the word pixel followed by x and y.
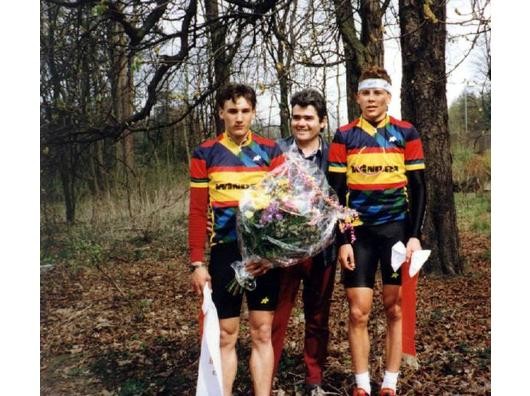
pixel 307 97
pixel 233 91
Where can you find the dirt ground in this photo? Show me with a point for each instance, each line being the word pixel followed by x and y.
pixel 140 336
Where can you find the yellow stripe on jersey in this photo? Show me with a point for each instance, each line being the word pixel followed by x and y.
pixel 369 128
pixel 412 167
pixel 374 168
pixel 229 186
pixel 233 146
pixel 199 184
pixel 337 169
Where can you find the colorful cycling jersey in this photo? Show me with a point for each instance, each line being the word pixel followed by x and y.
pixel 375 161
pixel 220 171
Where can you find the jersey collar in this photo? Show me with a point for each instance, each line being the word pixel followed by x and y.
pixel 230 144
pixel 369 128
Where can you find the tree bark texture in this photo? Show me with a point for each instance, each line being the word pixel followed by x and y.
pixel 284 101
pixel 221 59
pixel 68 182
pixel 359 52
pixel 424 103
pixel 352 51
pixel 283 55
pixel 372 31
pixel 123 94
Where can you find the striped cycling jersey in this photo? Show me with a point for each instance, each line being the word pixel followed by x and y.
pixel 220 171
pixel 375 161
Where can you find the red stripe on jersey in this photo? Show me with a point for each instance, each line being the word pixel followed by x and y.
pixel 197 221
pixel 198 169
pixel 337 153
pixel 211 142
pixel 376 186
pixel 227 204
pixel 375 150
pixel 277 161
pixel 264 141
pixel 401 123
pixel 350 125
pixel 413 150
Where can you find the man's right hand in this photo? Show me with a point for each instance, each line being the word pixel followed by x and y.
pixel 199 277
pixel 345 257
pixel 258 268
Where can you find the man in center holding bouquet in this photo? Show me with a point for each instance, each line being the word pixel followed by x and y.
pixel 309 119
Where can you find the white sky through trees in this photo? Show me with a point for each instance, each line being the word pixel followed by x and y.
pixel 461 65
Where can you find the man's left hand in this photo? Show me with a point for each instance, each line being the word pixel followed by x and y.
pixel 412 245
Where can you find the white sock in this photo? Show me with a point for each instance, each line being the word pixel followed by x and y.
pixel 390 380
pixel 363 381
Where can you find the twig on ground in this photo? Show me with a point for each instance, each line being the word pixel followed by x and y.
pixel 112 281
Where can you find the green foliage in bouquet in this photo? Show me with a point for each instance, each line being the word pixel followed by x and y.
pixel 286 236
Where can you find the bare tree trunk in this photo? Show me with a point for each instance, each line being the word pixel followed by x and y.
pixel 283 55
pixel 221 60
pixel 122 101
pixel 125 106
pixel 424 103
pixel 353 52
pixel 284 96
pixel 372 31
pixel 339 90
pixel 123 95
pixel 66 170
pixel 359 53
pixel 94 184
pixel 68 183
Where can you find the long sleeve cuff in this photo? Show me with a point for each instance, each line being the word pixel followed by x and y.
pixel 342 238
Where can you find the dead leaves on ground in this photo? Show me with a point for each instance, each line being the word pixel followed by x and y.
pixel 95 341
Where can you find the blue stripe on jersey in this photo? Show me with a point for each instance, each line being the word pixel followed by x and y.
pixel 259 151
pixel 224 224
pixel 379 206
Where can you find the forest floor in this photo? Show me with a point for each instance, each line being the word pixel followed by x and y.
pixel 131 328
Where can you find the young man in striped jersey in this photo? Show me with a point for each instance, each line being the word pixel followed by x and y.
pixel 221 169
pixel 376 166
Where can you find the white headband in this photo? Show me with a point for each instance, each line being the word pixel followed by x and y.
pixel 375 83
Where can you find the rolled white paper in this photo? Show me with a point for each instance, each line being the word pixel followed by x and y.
pixel 399 253
pixel 419 257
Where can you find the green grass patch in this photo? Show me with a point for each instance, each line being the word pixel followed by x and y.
pixel 471 171
pixel 133 387
pixel 474 212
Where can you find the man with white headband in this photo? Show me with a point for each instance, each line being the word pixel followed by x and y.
pixel 377 167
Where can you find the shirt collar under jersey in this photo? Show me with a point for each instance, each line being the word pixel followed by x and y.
pixel 369 128
pixel 317 154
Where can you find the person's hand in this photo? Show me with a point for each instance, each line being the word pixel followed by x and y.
pixel 345 257
pixel 257 268
pixel 412 245
pixel 199 277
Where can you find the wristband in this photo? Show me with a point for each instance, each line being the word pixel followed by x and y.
pixel 194 267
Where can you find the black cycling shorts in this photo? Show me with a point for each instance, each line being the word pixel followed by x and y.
pixel 373 245
pixel 263 298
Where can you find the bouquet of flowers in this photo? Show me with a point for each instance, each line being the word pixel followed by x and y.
pixel 289 216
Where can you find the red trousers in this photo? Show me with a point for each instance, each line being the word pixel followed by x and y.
pixel 318 283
